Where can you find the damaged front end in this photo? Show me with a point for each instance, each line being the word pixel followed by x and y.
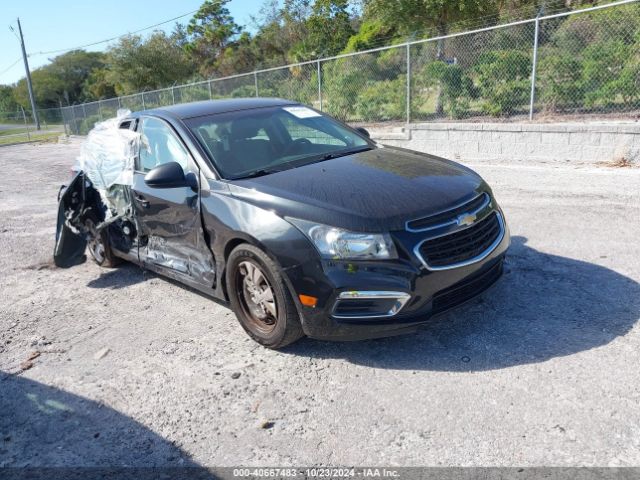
pixel 76 204
pixel 95 209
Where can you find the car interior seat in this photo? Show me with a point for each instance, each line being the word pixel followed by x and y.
pixel 249 152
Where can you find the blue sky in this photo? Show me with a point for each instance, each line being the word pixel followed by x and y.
pixel 51 25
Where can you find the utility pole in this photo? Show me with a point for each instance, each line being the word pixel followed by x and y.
pixel 29 86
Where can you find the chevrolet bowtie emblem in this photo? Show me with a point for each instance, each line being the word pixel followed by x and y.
pixel 466 219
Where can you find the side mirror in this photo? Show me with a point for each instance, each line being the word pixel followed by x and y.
pixel 363 131
pixel 170 175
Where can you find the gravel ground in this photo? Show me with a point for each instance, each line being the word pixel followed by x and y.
pixel 121 367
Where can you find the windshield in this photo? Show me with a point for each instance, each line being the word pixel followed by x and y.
pixel 261 141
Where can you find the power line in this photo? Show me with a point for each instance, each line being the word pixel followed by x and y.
pixel 10 66
pixel 114 38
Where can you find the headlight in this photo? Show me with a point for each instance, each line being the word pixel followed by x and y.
pixel 337 243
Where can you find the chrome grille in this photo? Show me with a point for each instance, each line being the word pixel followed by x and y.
pixel 464 246
pixel 449 217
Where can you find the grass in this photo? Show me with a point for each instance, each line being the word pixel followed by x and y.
pixel 13 131
pixel 34 137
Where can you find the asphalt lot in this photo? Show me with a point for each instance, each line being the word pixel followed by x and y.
pixel 542 370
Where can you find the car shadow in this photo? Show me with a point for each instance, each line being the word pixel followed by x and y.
pixel 545 306
pixel 127 274
pixel 123 276
pixel 43 427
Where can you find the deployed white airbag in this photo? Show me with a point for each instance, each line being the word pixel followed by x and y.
pixel 108 153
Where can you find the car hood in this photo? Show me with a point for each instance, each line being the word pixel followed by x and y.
pixel 375 190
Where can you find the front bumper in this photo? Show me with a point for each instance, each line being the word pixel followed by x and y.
pixel 431 292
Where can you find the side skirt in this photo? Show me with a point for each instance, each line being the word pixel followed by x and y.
pixel 168 274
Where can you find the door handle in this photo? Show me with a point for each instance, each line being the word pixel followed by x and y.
pixel 143 201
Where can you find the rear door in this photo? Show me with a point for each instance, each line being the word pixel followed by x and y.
pixel 170 235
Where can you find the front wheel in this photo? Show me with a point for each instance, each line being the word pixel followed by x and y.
pixel 260 298
pixel 99 246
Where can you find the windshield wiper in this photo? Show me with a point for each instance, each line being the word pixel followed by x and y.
pixel 258 173
pixel 341 153
pixel 327 156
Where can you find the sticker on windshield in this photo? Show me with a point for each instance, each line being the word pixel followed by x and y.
pixel 301 112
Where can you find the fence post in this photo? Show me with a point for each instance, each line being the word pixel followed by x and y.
pixel 119 104
pixel 64 120
pixel 210 93
pixel 99 109
pixel 173 95
pixel 319 85
pixel 534 65
pixel 255 81
pixel 408 83
pixel 75 130
pixel 24 116
pixel 143 105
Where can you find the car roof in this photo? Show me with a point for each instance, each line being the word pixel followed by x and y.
pixel 211 107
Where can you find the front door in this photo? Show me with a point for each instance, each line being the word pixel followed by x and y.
pixel 171 237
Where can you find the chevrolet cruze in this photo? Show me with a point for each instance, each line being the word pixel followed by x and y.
pixel 304 225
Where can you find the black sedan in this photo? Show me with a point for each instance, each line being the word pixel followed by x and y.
pixel 303 224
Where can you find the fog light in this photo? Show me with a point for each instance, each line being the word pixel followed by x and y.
pixel 369 304
pixel 307 300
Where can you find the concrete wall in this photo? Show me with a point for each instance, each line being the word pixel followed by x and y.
pixel 583 143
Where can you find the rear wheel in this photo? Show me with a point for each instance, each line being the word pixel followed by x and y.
pixel 99 246
pixel 260 298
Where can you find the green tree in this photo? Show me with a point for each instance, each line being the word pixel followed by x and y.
pixel 281 32
pixel 62 80
pixel 98 85
pixel 602 63
pixel 238 57
pixel 411 16
pixel 372 33
pixel 382 100
pixel 503 80
pixel 210 31
pixel 455 87
pixel 136 64
pixel 7 101
pixel 560 80
pixel 73 68
pixel 328 28
pixel 48 90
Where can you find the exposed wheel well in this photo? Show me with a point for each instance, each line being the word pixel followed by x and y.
pixel 231 244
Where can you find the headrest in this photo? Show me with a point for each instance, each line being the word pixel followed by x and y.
pixel 242 128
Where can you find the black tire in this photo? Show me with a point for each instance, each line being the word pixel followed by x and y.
pixel 272 331
pixel 99 247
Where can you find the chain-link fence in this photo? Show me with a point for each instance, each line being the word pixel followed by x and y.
pixel 571 65
pixel 20 126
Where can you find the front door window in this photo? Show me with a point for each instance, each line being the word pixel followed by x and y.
pixel 158 145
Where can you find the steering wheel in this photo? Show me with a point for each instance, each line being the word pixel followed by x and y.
pixel 295 144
